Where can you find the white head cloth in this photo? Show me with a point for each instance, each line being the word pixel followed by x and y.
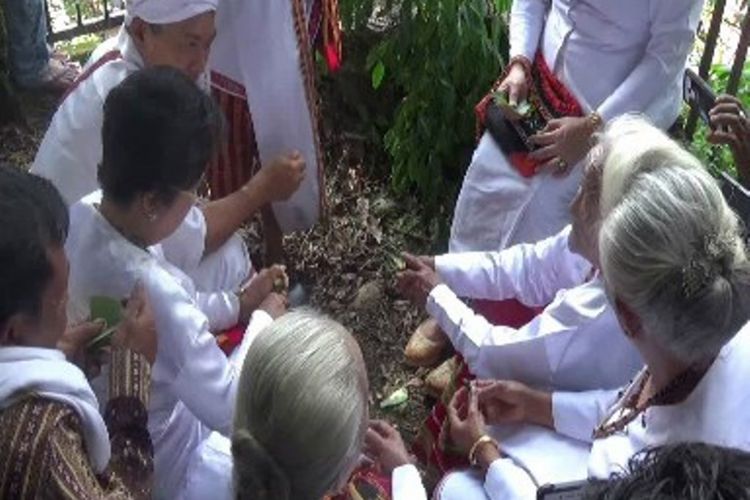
pixel 167 11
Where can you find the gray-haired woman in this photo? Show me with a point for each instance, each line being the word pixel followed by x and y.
pixel 678 276
pixel 302 414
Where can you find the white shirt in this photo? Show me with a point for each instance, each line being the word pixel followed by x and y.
pixel 716 412
pixel 193 383
pixel 71 150
pixel 615 56
pixel 560 348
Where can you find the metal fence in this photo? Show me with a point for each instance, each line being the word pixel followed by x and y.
pixel 88 16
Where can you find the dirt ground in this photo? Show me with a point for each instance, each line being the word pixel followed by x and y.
pixel 347 261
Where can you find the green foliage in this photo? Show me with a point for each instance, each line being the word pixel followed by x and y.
pixel 441 57
pixel 719 158
pixel 89 8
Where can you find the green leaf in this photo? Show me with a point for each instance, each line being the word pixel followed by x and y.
pixel 378 73
pixel 397 398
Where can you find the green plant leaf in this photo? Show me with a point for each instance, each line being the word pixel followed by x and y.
pixel 378 73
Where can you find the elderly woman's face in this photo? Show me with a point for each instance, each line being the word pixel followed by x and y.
pixel 584 237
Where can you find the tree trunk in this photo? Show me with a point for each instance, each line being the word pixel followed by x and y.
pixel 10 108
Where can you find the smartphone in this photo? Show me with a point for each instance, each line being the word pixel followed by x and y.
pixel 698 94
pixel 562 491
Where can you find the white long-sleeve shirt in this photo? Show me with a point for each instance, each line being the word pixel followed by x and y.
pixel 716 412
pixel 559 349
pixel 71 151
pixel 194 384
pixel 616 57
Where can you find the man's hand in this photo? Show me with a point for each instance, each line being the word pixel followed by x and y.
pixel 563 143
pixel 76 337
pixel 271 279
pixel 283 177
pixel 137 331
pixel 384 446
pixel 418 279
pixel 505 401
pixel 730 126
pixel 515 84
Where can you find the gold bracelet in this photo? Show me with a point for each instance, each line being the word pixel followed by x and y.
pixel 485 439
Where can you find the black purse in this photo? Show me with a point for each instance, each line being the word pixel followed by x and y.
pixel 513 135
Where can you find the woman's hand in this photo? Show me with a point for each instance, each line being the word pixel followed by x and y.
pixel 418 279
pixel 467 426
pixel 271 279
pixel 137 331
pixel 563 143
pixel 467 423
pixel 515 84
pixel 275 305
pixel 730 126
pixel 506 401
pixel 385 447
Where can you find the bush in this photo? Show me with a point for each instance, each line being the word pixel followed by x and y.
pixel 440 57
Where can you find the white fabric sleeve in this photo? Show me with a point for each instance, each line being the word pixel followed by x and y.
pixel 406 484
pixel 531 273
pixel 505 479
pixel 526 24
pixel 258 322
pixel 202 377
pixel 482 344
pixel 221 308
pixel 185 247
pixel 577 414
pixel 673 26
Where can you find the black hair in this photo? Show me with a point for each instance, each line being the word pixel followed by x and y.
pixel 160 131
pixel 686 471
pixel 33 219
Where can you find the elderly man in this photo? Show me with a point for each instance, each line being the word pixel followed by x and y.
pixel 176 33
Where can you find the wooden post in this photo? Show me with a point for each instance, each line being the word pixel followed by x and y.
pixel 739 56
pixel 10 108
pixel 708 57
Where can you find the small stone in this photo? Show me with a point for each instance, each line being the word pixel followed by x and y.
pixel 368 296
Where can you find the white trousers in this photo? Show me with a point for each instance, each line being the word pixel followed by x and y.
pixel 498 207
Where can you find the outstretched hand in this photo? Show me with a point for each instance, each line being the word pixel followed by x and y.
pixel 418 279
pixel 506 401
pixel 385 447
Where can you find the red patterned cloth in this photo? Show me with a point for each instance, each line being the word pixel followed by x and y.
pixel 548 95
pixel 438 456
pixel 366 484
pixel 229 339
pixel 238 159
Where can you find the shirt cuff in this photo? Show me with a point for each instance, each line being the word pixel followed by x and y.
pixel 130 376
pixel 574 414
pixel 505 479
pixel 407 483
